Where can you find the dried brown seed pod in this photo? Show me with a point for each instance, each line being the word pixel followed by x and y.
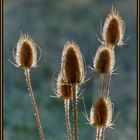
pixel 114 28
pixel 101 113
pixel 72 66
pixel 104 60
pixel 26 53
pixel 63 89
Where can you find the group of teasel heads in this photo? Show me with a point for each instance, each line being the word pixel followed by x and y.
pixel 72 75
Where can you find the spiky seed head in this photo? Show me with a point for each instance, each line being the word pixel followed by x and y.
pixel 114 28
pixel 72 63
pixel 101 113
pixel 63 89
pixel 26 53
pixel 104 60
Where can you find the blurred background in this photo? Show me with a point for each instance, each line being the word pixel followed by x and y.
pixel 51 23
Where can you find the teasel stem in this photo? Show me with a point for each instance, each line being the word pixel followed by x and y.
pixel 103 134
pixel 36 113
pixel 100 84
pixel 75 118
pixel 66 102
pixel 108 84
pixel 98 133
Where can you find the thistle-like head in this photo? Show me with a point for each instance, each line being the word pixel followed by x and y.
pixel 101 113
pixel 114 28
pixel 104 59
pixel 26 52
pixel 72 65
pixel 63 89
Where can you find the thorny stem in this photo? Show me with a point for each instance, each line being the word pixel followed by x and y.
pixel 108 84
pixel 75 118
pixel 99 133
pixel 100 84
pixel 103 134
pixel 27 76
pixel 66 101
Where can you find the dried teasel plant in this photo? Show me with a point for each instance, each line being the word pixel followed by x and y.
pixel 101 116
pixel 114 28
pixel 104 62
pixel 64 92
pixel 26 53
pixel 63 89
pixel 72 65
pixel 72 68
pixel 26 58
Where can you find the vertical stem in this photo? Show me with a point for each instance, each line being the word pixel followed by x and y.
pixel 75 118
pixel 107 84
pixel 98 133
pixel 100 84
pixel 103 134
pixel 36 114
pixel 66 101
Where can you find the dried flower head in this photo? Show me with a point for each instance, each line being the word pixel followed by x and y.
pixel 114 28
pixel 101 113
pixel 72 63
pixel 104 60
pixel 63 89
pixel 26 53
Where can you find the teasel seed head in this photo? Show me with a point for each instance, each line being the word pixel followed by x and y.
pixel 72 65
pixel 101 113
pixel 26 53
pixel 104 60
pixel 63 89
pixel 114 28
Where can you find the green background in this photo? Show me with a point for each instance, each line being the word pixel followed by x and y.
pixel 51 23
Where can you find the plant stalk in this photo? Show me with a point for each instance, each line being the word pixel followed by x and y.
pixel 66 102
pixel 98 133
pixel 75 118
pixel 103 134
pixel 36 113
pixel 100 84
pixel 108 84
